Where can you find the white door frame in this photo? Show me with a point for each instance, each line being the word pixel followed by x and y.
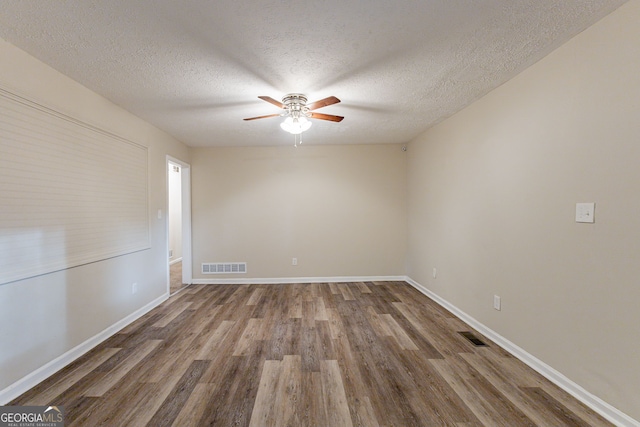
pixel 185 177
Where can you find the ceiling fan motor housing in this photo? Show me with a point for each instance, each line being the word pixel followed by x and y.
pixel 295 104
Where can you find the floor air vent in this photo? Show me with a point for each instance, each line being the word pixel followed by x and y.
pixel 224 267
pixel 474 340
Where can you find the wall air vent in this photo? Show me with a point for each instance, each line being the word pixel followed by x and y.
pixel 224 268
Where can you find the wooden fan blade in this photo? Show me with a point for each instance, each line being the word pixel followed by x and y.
pixel 262 117
pixel 323 103
pixel 329 117
pixel 272 101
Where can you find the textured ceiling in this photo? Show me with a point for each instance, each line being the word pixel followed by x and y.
pixel 194 68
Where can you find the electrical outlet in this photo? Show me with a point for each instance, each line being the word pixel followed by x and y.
pixel 585 212
pixel 294 261
pixel 134 288
pixel 435 273
pixel 496 302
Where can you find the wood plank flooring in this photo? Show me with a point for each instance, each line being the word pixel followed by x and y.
pixel 175 277
pixel 347 354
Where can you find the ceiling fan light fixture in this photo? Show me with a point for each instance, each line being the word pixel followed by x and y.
pixel 295 125
pixel 297 113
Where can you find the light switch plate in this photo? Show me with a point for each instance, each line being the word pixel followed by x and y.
pixel 585 212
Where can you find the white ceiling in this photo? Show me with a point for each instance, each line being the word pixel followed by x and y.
pixel 194 68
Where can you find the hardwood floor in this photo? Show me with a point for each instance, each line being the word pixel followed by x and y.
pixel 175 277
pixel 348 354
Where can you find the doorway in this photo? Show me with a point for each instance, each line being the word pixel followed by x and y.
pixel 178 225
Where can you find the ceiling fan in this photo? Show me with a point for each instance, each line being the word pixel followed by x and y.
pixel 297 111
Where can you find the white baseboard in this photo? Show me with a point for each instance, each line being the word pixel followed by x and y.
pixel 173 261
pixel 279 280
pixel 594 402
pixel 34 378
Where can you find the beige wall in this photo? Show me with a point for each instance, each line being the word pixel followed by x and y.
pixel 340 210
pixel 492 194
pixel 44 317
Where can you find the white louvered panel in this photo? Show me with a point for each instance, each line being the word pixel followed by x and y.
pixel 70 193
pixel 224 268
